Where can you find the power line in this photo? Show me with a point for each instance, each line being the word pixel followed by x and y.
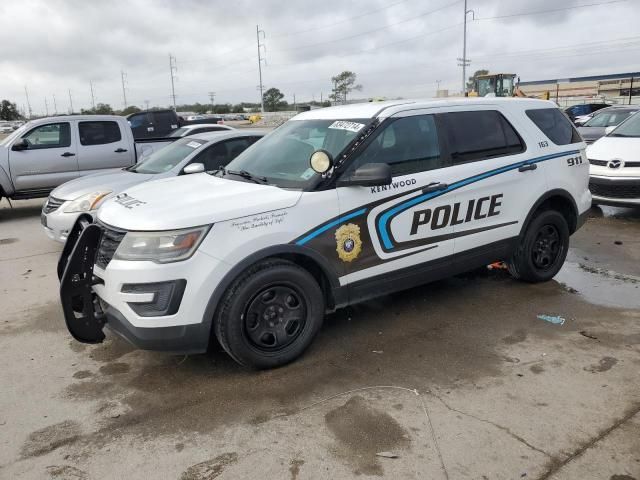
pixel 540 12
pixel 386 27
pixel 346 20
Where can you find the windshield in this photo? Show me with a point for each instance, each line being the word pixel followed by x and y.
pixel 168 157
pixel 630 128
pixel 608 119
pixel 282 157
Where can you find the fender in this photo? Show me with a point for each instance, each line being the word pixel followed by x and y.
pixel 6 186
pixel 339 293
pixel 558 192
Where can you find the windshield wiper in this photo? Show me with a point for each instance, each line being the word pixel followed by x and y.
pixel 241 173
pixel 247 175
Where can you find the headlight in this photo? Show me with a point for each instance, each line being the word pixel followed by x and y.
pixel 87 202
pixel 161 247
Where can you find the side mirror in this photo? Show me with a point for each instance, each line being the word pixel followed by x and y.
pixel 321 161
pixel 21 144
pixel 193 168
pixel 609 129
pixel 368 175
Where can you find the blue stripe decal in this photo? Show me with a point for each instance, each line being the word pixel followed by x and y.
pixel 328 226
pixel 384 218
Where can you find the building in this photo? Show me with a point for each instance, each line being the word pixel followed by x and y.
pixel 617 88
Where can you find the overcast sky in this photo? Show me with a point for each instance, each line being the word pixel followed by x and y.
pixel 397 48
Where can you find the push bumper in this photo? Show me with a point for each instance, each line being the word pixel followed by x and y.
pixel 93 300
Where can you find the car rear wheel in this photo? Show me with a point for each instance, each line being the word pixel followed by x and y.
pixel 543 250
pixel 270 314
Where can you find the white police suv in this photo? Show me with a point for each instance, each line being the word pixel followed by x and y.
pixel 336 206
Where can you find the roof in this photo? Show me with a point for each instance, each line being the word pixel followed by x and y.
pixel 66 118
pixel 227 134
pixel 388 108
pixel 613 76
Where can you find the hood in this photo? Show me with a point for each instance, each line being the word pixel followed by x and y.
pixel 608 148
pixel 591 134
pixel 115 180
pixel 191 200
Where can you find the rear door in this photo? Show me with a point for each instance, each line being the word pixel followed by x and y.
pixel 50 159
pixel 494 181
pixel 102 145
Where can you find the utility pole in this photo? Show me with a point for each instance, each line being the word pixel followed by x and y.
pixel 146 102
pixel 464 61
pixel 438 87
pixel 631 90
pixel 93 101
pixel 124 93
pixel 212 97
pixel 55 107
pixel 260 45
pixel 173 68
pixel 46 106
pixel 28 102
pixel 70 102
pixel 294 102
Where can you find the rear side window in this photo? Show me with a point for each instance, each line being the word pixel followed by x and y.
pixel 99 133
pixel 554 125
pixel 479 135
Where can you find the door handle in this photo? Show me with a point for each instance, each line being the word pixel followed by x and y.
pixel 68 154
pixel 435 187
pixel 527 166
pixel 120 150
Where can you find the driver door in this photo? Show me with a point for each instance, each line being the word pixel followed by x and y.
pixel 397 228
pixel 49 160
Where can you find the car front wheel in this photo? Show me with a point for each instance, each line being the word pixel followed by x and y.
pixel 270 314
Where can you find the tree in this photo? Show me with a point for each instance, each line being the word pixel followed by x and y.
pixel 129 110
pixel 272 99
pixel 101 109
pixel 9 111
pixel 343 84
pixel 471 84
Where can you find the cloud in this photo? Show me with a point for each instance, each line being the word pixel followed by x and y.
pixel 397 48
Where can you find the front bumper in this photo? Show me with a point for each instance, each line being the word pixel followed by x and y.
pixel 58 224
pixel 93 297
pixel 616 191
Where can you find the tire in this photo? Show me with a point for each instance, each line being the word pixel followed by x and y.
pixel 270 314
pixel 543 249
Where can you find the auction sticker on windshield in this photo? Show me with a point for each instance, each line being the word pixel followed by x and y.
pixel 350 126
pixel 194 144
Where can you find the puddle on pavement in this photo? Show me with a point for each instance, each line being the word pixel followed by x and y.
pixel 600 286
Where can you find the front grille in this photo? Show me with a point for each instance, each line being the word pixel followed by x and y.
pixel 604 163
pixel 109 242
pixel 51 205
pixel 615 191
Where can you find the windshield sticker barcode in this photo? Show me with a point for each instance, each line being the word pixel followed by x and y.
pixel 193 144
pixel 350 126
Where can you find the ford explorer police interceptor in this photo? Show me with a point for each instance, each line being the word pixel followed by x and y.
pixel 336 206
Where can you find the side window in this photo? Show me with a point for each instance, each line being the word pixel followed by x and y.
pixel 139 120
pixel 408 145
pixel 165 121
pixel 479 135
pixel 554 125
pixel 99 133
pixel 52 135
pixel 220 154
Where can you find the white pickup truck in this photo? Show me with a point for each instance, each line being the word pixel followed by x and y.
pixel 48 152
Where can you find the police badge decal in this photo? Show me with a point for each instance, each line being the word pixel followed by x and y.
pixel 348 243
